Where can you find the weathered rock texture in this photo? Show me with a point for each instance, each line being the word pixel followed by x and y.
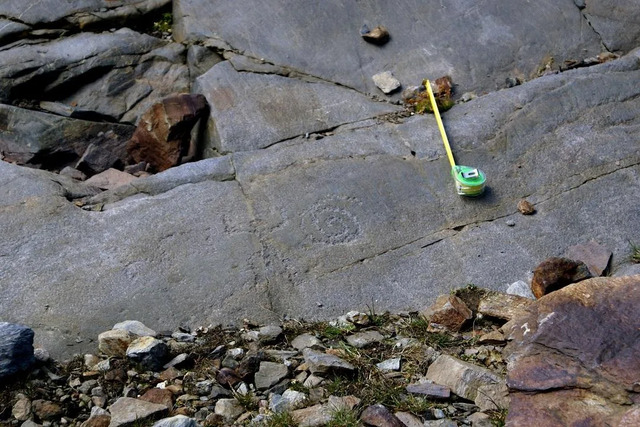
pixel 574 357
pixel 323 198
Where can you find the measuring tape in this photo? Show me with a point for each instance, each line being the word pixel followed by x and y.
pixel 469 181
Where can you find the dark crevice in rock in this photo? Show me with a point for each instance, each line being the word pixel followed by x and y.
pixel 586 18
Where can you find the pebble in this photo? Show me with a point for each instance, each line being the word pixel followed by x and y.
pixel 386 82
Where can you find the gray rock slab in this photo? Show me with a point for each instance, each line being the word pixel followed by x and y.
pixel 251 111
pixel 48 140
pixel 427 40
pixel 16 349
pixel 363 339
pixel 206 260
pixel 117 75
pixel 617 23
pixel 317 228
pixel 323 362
pixel 76 11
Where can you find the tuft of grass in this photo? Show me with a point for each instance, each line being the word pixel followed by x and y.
pixel 344 417
pixel 281 419
pixel 248 401
pixel 333 332
pixel 498 418
pixel 163 25
pixel 635 253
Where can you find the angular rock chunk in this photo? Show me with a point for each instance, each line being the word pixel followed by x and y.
pixel 163 134
pixel 269 374
pixel 251 111
pixel 380 416
pixel 449 312
pixel 114 342
pixel 379 35
pixel 127 410
pixel 113 75
pixel 320 363
pixel 16 349
pixel 148 351
pixel 135 327
pixel 430 390
pixel 555 273
pixel 363 339
pixel 463 378
pixel 386 82
pixel 176 421
pixel 503 306
pixel 593 254
pixel 584 336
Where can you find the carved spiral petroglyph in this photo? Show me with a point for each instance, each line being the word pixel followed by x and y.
pixel 331 221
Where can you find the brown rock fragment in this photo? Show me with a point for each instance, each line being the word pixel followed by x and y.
pixel 97 421
pixel 163 134
pixel 526 208
pixel 556 273
pixel 449 312
pixel 45 409
pixel 159 396
pixel 380 416
pixel 379 35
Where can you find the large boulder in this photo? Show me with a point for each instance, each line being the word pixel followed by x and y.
pixel 574 357
pixel 16 349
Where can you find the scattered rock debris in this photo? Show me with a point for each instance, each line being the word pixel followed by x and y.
pixel 361 369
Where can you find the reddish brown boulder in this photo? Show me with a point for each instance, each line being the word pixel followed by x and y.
pixel 449 312
pixel 556 273
pixel 163 134
pixel 574 358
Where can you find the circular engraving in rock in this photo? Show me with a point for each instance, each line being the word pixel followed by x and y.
pixel 331 221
